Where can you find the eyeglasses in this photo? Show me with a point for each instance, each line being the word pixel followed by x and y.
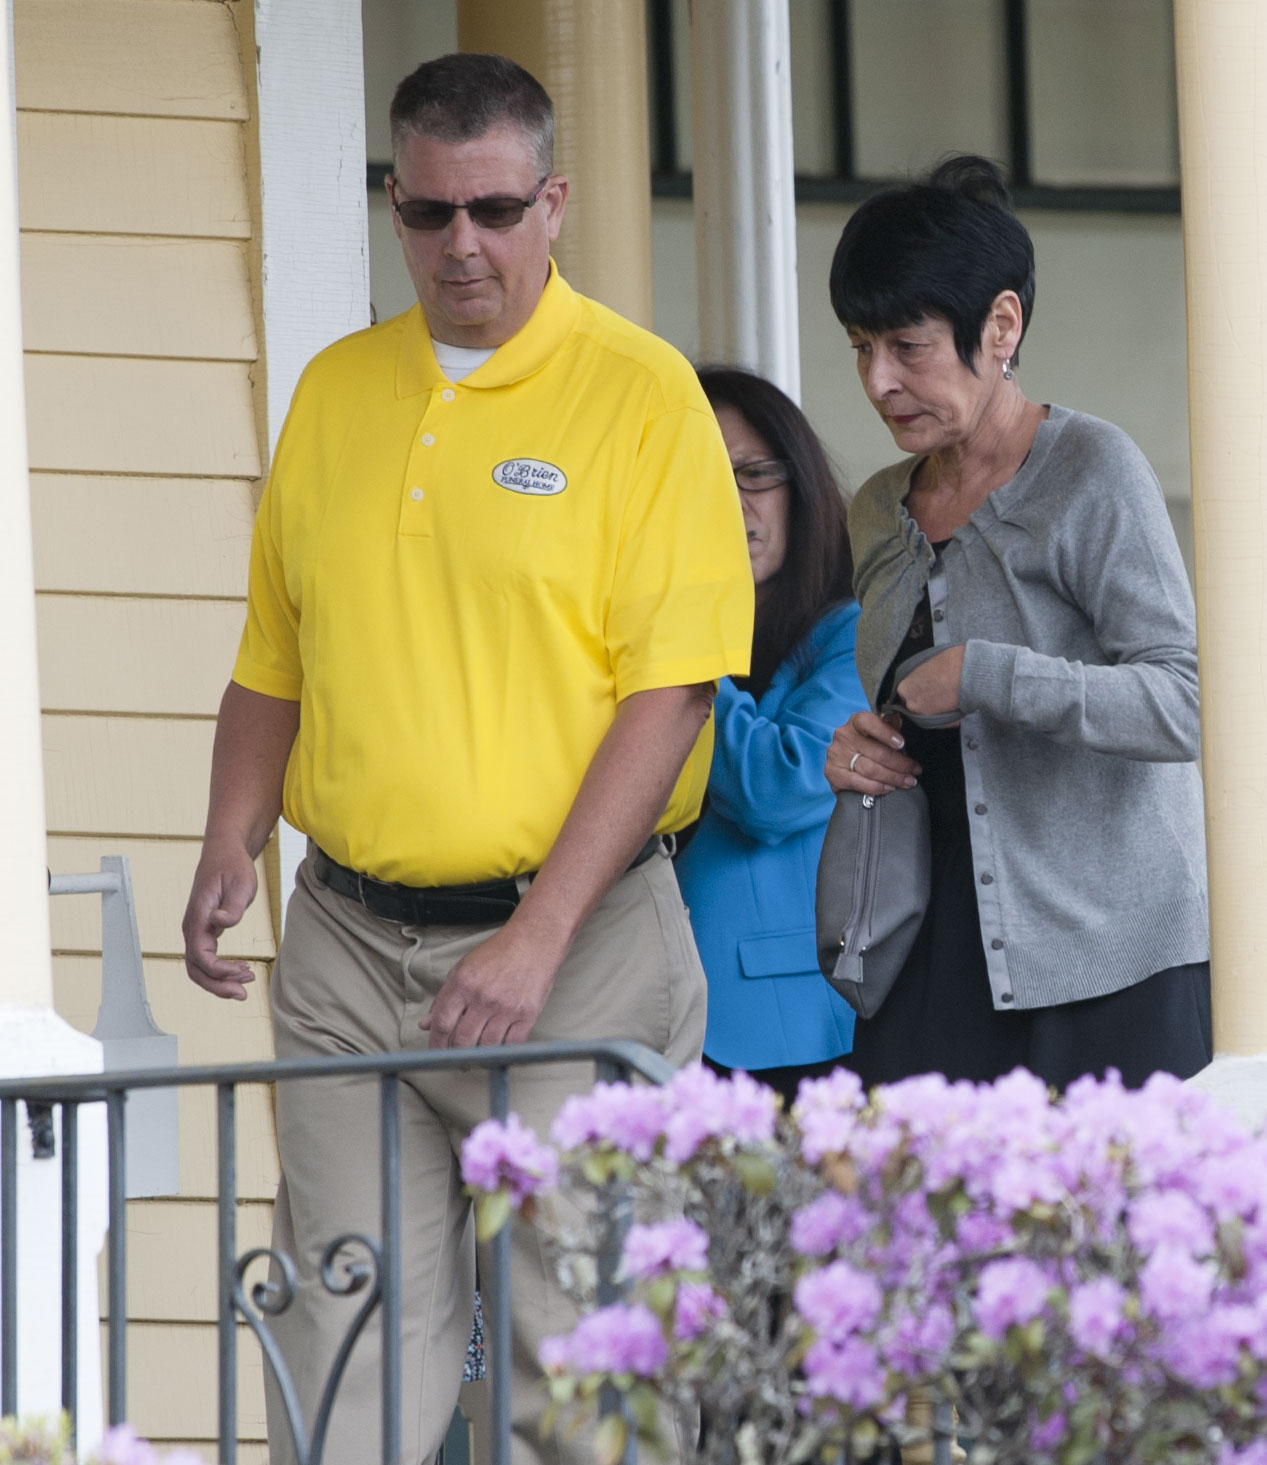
pixel 762 476
pixel 495 212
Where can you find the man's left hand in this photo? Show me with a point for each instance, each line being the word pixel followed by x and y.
pixel 495 994
pixel 933 687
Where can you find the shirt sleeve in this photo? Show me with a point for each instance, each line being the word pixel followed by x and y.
pixel 268 656
pixel 1123 568
pixel 767 774
pixel 682 597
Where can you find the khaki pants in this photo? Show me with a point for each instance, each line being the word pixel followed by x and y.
pixel 349 982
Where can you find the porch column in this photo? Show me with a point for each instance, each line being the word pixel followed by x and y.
pixel 591 56
pixel 745 209
pixel 33 1039
pixel 27 979
pixel 1221 53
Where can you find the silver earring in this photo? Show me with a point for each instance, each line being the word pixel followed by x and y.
pixel 1008 373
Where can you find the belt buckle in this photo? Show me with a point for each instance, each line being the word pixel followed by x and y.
pixel 360 887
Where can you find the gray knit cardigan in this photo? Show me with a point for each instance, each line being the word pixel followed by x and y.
pixel 1081 725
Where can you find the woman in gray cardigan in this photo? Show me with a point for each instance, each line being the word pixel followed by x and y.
pixel 1067 929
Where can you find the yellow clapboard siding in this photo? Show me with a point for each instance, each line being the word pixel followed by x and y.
pixel 164 58
pixel 256 1159
pixel 129 775
pixel 172 1381
pixel 101 414
pixel 84 174
pixel 172 1257
pixel 132 296
pixel 249 1451
pixel 117 655
pixel 147 536
pixel 162 872
pixel 209 1029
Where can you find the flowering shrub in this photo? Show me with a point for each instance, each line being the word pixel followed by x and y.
pixel 37 1442
pixel 1084 1279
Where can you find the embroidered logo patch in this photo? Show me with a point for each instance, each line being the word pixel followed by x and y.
pixel 530 475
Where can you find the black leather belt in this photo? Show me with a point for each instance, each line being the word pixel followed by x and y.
pixel 484 904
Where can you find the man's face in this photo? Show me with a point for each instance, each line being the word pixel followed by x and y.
pixel 477 286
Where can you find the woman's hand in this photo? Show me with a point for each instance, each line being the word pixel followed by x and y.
pixel 865 757
pixel 933 687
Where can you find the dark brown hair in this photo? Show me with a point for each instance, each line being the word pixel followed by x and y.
pixel 817 571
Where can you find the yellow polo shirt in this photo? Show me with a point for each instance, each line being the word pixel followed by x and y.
pixel 459 581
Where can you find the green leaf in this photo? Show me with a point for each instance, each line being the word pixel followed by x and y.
pixel 644 1405
pixel 595 1167
pixel 492 1211
pixel 610 1439
pixel 661 1295
pixel 756 1173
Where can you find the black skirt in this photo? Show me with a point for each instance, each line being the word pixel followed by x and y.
pixel 940 1018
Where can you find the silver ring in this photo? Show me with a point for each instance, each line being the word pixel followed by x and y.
pixel 853 760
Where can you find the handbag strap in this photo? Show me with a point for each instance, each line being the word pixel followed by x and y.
pixel 920 719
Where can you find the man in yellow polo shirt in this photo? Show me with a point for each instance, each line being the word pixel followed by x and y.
pixel 499 565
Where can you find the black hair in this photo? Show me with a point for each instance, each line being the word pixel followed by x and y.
pixel 817 571
pixel 944 247
pixel 459 97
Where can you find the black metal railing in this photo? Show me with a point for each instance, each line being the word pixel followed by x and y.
pixel 378 1277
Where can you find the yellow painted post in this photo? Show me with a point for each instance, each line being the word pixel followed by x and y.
pixel 1221 53
pixel 591 56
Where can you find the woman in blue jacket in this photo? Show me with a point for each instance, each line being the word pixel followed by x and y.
pixel 748 873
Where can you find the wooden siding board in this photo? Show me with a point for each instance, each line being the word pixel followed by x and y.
pixel 111 654
pixel 172 1388
pixel 162 874
pixel 128 775
pixel 167 58
pixel 97 294
pixel 141 536
pixel 209 1029
pixel 173 1278
pixel 85 174
pixel 93 414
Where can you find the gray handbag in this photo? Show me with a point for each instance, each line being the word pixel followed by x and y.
pixel 874 878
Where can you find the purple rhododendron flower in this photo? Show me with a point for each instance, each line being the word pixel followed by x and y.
pixel 1172 1285
pixel 702 1105
pixel 1046 1434
pixel 1095 1314
pixel 839 1300
pixel 919 1337
pixel 1253 1454
pixel 668 1246
pixel 630 1117
pixel 121 1445
pixel 623 1338
pixel 555 1353
pixel 827 1221
pixel 849 1372
pixel 696 1308
pixel 1011 1292
pixel 509 1156
pixel 826 1113
pixel 1169 1218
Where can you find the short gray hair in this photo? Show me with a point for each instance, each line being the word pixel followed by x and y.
pixel 462 96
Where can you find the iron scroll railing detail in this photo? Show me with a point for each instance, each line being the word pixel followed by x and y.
pixel 378 1277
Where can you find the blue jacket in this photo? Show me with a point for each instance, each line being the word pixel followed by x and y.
pixel 748 874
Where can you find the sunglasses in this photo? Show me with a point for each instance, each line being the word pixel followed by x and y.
pixel 495 212
pixel 762 476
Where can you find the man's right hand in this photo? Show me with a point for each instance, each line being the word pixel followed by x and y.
pixel 224 885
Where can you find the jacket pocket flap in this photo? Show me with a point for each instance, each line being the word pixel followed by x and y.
pixel 779 954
